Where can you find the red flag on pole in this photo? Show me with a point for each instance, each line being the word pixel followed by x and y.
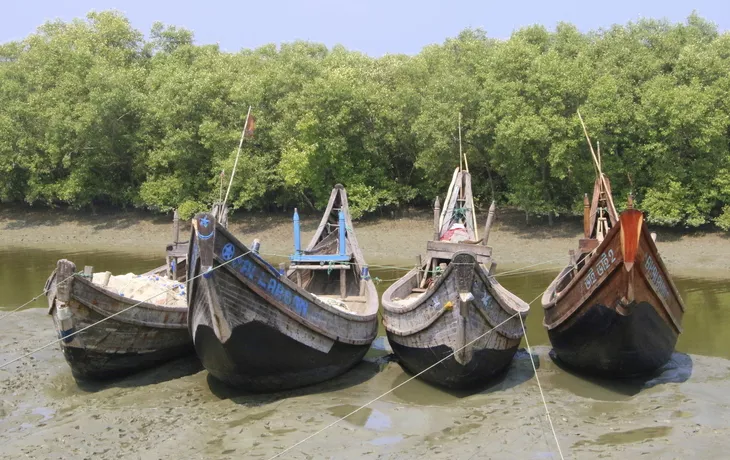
pixel 250 125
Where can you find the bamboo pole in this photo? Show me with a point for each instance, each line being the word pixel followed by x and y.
pixel 238 154
pixel 595 158
pixel 460 155
pixel 586 217
pixel 436 216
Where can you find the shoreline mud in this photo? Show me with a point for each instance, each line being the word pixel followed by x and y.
pixel 178 407
pixel 394 241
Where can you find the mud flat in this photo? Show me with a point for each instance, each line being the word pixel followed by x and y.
pixel 178 411
pixel 386 240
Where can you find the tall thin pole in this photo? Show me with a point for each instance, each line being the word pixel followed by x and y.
pixel 460 154
pixel 238 154
pixel 595 157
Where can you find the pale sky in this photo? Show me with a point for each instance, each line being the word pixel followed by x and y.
pixel 375 27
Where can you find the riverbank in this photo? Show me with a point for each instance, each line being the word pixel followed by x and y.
pixel 44 413
pixel 383 240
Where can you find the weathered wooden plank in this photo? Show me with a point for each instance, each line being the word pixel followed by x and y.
pixel 309 338
pixel 640 311
pixel 447 247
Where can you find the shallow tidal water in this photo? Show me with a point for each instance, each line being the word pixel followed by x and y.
pixel 23 273
pixel 178 408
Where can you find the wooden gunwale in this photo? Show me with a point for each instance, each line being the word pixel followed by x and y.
pixel 595 290
pixel 303 321
pixel 655 252
pixel 291 284
pixel 392 307
pixel 586 266
pixel 549 303
pixel 122 319
pixel 127 300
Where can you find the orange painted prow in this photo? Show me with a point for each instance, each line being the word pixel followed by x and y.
pixel 631 221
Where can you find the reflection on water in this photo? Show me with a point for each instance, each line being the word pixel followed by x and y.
pixel 23 273
pixel 369 418
pixel 677 370
pixel 707 317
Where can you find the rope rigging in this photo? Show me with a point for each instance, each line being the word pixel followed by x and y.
pixel 534 367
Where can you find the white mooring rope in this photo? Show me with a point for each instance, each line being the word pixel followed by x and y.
pixel 389 391
pixel 524 269
pixel 534 368
pixel 539 386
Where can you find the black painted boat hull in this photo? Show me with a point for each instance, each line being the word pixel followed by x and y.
pixel 88 364
pixel 603 342
pixel 485 365
pixel 258 358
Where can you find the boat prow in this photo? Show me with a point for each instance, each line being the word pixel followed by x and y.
pixel 262 328
pixel 614 311
pixel 449 320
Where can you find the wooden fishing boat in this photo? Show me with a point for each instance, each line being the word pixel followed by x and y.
pixel 441 306
pixel 263 329
pixel 614 309
pixel 131 337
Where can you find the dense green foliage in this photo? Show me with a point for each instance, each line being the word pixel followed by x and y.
pixel 93 113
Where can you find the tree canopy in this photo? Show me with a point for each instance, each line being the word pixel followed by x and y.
pixel 93 113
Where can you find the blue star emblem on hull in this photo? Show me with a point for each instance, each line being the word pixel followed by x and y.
pixel 228 251
pixel 204 221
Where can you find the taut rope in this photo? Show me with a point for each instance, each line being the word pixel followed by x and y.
pixel 389 391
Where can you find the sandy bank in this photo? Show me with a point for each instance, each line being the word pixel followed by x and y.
pixel 384 240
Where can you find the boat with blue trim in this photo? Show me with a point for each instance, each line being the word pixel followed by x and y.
pixel 265 328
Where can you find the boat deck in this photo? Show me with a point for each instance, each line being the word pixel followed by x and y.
pixel 410 299
pixel 352 304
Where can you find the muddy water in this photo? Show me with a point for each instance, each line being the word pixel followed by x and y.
pixel 23 273
pixel 178 409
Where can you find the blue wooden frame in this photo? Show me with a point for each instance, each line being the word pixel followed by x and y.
pixel 322 258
